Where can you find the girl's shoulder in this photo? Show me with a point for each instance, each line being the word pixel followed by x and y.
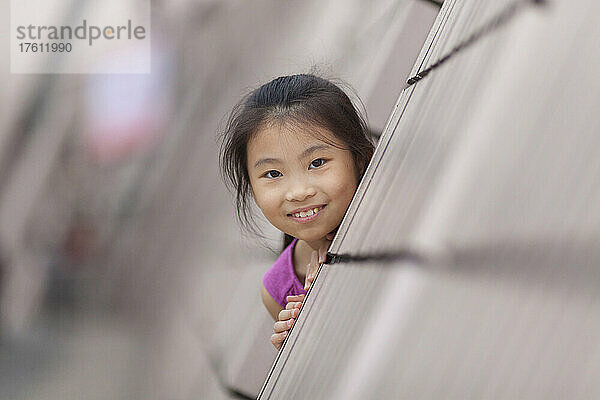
pixel 280 280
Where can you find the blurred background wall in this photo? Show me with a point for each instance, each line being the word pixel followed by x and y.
pixel 123 271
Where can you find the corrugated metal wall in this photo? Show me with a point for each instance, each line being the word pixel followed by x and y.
pixel 467 266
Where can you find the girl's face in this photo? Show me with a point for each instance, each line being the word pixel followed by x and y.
pixel 302 184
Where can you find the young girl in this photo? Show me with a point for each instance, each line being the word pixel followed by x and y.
pixel 298 147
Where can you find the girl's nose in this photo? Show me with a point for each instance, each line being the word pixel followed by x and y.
pixel 300 190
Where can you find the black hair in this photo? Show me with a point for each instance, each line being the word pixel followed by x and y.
pixel 294 99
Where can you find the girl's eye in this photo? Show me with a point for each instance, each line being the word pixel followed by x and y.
pixel 272 174
pixel 317 163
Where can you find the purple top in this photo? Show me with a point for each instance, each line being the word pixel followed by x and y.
pixel 280 280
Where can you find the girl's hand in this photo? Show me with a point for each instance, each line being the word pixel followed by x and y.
pixel 286 320
pixel 287 317
pixel 316 259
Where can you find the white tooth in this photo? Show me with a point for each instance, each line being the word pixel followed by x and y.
pixel 316 210
pixel 310 212
pixel 302 214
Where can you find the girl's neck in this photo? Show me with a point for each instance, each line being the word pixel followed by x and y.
pixel 317 244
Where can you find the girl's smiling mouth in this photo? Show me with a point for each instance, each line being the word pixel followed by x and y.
pixel 306 214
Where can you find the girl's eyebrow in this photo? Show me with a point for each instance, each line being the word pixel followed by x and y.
pixel 266 161
pixel 312 149
pixel 304 154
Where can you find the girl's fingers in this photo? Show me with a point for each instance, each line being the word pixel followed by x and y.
pixel 287 314
pixel 282 326
pixel 311 269
pixel 299 297
pixel 309 281
pixel 293 304
pixel 322 254
pixel 316 259
pixel 278 338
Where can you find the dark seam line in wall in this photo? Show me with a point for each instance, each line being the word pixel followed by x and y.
pixel 237 394
pixel 435 2
pixel 496 22
pixel 401 255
